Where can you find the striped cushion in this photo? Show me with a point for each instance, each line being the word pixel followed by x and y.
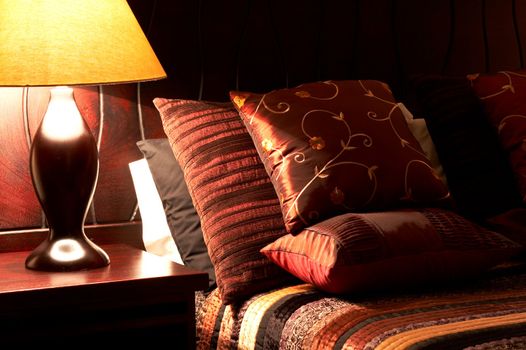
pixel 231 191
pixel 362 252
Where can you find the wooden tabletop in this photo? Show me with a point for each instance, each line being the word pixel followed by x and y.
pixel 127 265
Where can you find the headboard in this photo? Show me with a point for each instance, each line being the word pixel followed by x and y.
pixel 210 47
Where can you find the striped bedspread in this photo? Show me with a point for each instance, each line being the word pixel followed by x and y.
pixel 489 314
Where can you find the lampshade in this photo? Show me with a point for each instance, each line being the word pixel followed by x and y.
pixel 73 42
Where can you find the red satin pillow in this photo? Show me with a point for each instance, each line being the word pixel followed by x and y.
pixel 389 250
pixel 337 146
pixel 503 95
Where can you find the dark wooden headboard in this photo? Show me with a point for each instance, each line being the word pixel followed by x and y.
pixel 210 47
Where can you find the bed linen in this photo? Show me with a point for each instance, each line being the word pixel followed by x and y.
pixel 488 313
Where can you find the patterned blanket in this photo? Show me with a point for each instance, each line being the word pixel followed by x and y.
pixel 487 313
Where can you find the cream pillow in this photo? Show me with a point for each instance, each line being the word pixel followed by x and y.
pixel 156 234
pixel 419 130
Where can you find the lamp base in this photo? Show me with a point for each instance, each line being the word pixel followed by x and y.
pixel 67 254
pixel 64 168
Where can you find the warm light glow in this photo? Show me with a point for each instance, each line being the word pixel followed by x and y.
pixel 66 250
pixel 67 42
pixel 62 120
pixel 150 266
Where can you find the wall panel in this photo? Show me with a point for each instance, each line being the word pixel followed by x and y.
pixel 210 47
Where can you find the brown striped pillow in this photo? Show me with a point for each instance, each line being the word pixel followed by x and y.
pixel 231 191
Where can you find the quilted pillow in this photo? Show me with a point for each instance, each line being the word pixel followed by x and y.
pixel 503 95
pixel 381 251
pixel 337 146
pixel 231 192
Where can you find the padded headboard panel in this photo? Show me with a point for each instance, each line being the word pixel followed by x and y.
pixel 211 47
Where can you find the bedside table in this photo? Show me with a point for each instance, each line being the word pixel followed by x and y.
pixel 139 298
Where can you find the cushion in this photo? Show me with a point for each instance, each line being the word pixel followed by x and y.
pixel 337 146
pixel 231 192
pixel 156 236
pixel 479 177
pixel 181 216
pixel 503 96
pixel 380 251
pixel 420 131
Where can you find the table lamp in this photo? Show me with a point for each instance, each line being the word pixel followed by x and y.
pixel 59 43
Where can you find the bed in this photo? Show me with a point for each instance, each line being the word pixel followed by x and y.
pixel 299 258
pixel 429 269
pixel 488 314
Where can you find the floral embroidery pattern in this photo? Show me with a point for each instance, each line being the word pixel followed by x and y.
pixel 267 145
pixel 317 143
pixel 329 135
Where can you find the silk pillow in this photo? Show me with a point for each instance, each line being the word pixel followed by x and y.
pixel 503 95
pixel 337 146
pixel 382 251
pixel 231 192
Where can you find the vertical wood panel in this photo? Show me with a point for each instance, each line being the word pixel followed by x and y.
pixel 468 52
pixel 87 99
pixel 423 32
pixel 149 15
pixel 143 11
pixel 375 48
pixel 501 36
pixel 172 30
pixel 260 61
pixel 218 46
pixel 38 99
pixel 115 199
pixel 18 203
pixel 297 36
pixel 520 25
pixel 173 36
pixel 37 102
pixel 152 125
pixel 146 14
pixel 338 39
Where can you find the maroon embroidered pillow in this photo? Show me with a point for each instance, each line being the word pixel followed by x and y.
pixel 503 95
pixel 337 146
pixel 389 250
pixel 231 192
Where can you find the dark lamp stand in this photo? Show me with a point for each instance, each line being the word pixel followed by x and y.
pixel 64 168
